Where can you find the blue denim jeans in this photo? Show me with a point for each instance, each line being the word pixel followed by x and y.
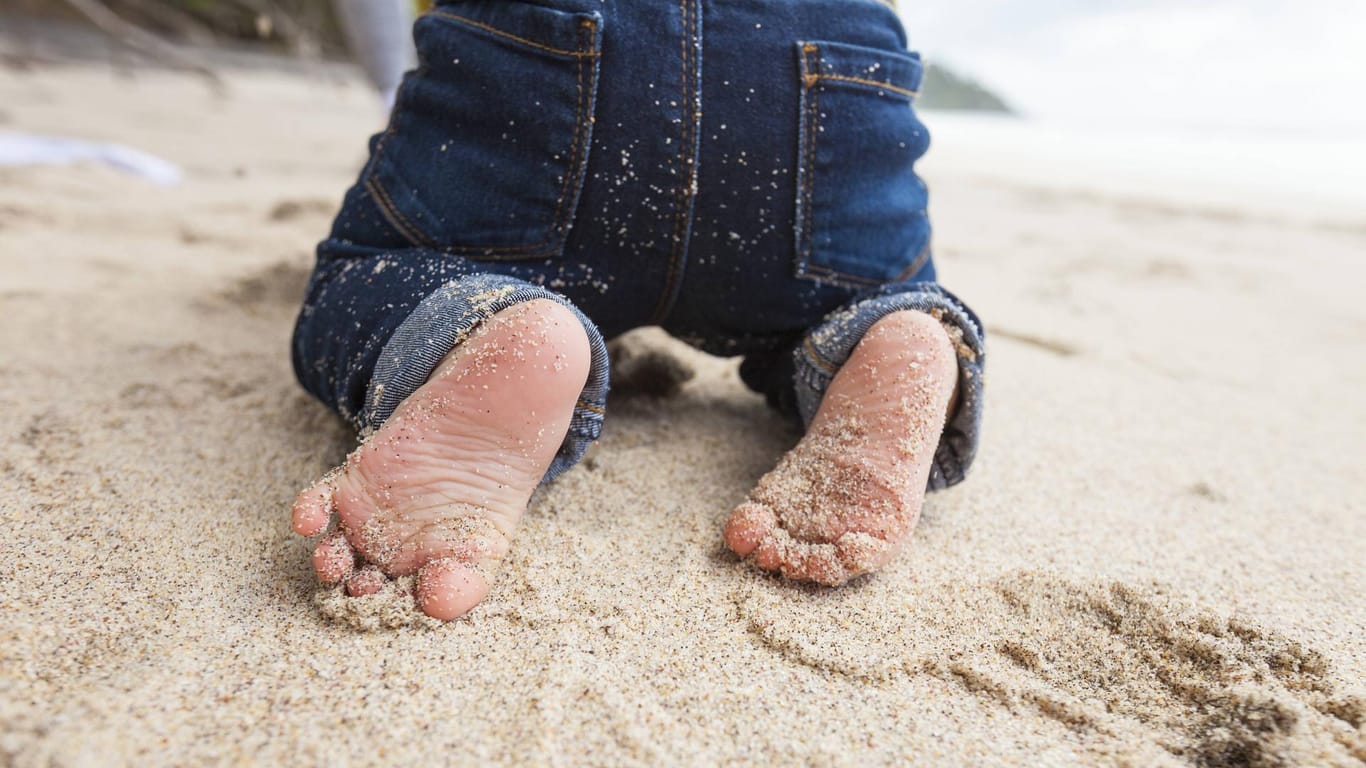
pixel 740 172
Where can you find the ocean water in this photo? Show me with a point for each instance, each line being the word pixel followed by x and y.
pixel 1318 177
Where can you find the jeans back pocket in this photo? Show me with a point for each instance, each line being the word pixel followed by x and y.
pixel 861 218
pixel 485 151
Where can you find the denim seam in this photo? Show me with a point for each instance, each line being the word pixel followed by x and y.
pixel 391 212
pixel 818 359
pixel 811 77
pixel 874 83
pixel 587 406
pixel 808 136
pixel 688 164
pixel 826 274
pixel 522 40
pixel 575 170
pixel 381 195
pixel 559 229
pixel 916 265
pixel 870 282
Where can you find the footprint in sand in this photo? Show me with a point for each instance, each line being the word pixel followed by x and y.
pixel 289 210
pixel 1210 690
pixel 277 287
pixel 1141 675
pixel 189 374
pixel 53 436
pixel 1054 346
pixel 14 216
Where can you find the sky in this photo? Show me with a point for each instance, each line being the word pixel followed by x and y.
pixel 1255 66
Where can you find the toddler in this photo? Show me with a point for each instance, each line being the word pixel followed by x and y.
pixel 739 172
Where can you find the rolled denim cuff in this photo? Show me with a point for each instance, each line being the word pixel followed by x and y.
pixel 443 320
pixel 829 345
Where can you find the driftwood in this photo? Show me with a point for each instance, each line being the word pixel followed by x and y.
pixel 138 39
pixel 169 17
pixel 299 41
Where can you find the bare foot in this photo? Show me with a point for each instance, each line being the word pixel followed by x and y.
pixel 440 488
pixel 845 500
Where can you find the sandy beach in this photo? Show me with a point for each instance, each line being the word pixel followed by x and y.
pixel 1156 561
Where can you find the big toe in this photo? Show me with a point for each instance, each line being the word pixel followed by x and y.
pixel 748 526
pixel 448 588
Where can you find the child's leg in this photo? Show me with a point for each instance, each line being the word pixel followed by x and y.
pixel 876 382
pixel 424 324
pixel 484 388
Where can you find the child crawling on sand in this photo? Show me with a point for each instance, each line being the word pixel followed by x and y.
pixel 739 172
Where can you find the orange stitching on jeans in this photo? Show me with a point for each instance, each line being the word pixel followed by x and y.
pixel 821 272
pixel 591 408
pixel 826 274
pixel 388 210
pixel 584 118
pixel 572 171
pixel 885 86
pixel 805 248
pixel 396 217
pixel 393 114
pixel 916 264
pixel 686 141
pixel 816 357
pixel 685 130
pixel 522 40
pixel 418 237
pixel 574 156
pixel 876 84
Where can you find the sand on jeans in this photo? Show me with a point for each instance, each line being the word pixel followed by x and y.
pixel 1157 559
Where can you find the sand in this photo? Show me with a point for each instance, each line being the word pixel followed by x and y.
pixel 1156 560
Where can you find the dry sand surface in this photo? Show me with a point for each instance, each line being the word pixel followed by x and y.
pixel 1156 561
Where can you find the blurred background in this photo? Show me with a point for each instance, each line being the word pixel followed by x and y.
pixel 1253 103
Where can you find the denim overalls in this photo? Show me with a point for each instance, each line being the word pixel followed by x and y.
pixel 740 172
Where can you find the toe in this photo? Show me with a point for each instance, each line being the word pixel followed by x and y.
pixel 808 561
pixel 861 553
pixel 819 563
pixel 312 509
pixel 771 552
pixel 366 581
pixel 448 588
pixel 749 525
pixel 333 558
